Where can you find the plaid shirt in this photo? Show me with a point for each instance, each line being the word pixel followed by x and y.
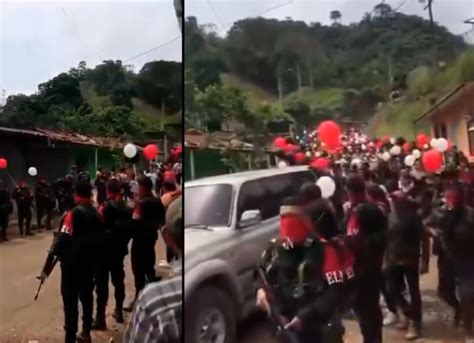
pixel 157 316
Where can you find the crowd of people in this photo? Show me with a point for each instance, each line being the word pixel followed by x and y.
pixel 49 198
pixel 370 240
pixel 98 221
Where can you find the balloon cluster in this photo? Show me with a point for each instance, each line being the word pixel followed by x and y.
pixel 328 145
pixel 150 152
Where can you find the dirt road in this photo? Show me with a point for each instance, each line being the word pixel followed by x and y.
pixel 437 319
pixel 23 320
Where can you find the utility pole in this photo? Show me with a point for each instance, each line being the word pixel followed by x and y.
pixel 298 75
pixel 429 7
pixel 162 121
pixel 178 7
pixel 311 85
pixel 390 73
pixel 280 83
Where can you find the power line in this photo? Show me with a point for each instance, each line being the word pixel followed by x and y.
pixel 76 30
pixel 400 6
pixel 275 7
pixel 221 24
pixel 264 12
pixel 153 49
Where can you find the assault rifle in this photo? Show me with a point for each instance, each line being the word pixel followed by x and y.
pixel 49 263
pixel 283 335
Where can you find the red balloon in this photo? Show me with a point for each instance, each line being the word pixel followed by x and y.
pixel 179 149
pixel 330 134
pixel 3 163
pixel 422 139
pixel 432 160
pixel 290 148
pixel 320 163
pixel 406 147
pixel 151 152
pixel 300 157
pixel 279 142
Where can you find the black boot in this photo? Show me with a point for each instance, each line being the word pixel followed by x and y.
pixel 99 324
pixel 70 337
pixel 118 315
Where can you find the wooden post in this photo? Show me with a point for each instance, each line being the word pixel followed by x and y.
pixel 191 160
pixel 96 159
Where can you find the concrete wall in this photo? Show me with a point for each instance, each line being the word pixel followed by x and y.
pixel 453 114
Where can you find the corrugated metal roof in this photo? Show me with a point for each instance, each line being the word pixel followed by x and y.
pixel 67 137
pixel 217 141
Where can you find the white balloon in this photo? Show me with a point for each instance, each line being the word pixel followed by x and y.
pixel 32 171
pixel 282 164
pixel 308 154
pixel 386 156
pixel 327 186
pixel 392 140
pixel 410 160
pixel 395 150
pixel 416 153
pixel 130 150
pixel 433 142
pixel 363 147
pixel 441 144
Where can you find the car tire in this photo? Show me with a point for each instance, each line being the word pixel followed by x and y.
pixel 209 300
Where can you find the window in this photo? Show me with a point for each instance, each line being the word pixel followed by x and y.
pixel 267 194
pixel 208 205
pixel 470 135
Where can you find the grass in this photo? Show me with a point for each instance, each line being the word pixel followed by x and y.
pixel 150 114
pixel 256 95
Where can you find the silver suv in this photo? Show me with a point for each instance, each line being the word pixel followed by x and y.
pixel 229 221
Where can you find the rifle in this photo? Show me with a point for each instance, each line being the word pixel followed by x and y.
pixel 284 335
pixel 48 267
pixel 50 261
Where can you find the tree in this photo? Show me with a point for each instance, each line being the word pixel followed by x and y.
pixel 383 10
pixel 335 16
pixel 217 103
pixel 159 83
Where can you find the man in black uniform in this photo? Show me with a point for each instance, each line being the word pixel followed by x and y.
pixel 116 217
pixel 77 246
pixel 311 273
pixel 366 227
pixel 149 216
pixel 44 202
pixel 101 186
pixel 24 201
pixel 6 209
pixel 64 193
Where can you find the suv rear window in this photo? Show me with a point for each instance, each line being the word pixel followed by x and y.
pixel 208 205
pixel 267 194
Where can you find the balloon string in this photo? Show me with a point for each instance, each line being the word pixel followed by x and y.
pixel 11 178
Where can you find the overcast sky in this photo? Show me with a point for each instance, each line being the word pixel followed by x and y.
pixel 450 13
pixel 40 39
